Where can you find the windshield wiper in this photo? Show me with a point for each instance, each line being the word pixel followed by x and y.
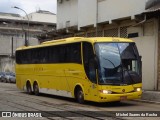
pixel 109 61
pixel 129 75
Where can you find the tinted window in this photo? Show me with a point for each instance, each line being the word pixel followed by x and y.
pixel 88 59
pixel 69 53
pixel 73 53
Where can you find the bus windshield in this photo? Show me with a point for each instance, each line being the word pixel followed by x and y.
pixel 119 63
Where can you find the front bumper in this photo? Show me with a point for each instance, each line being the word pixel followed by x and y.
pixel 119 97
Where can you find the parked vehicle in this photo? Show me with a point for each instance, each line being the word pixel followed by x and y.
pixel 9 77
pixel 2 74
pixel 12 78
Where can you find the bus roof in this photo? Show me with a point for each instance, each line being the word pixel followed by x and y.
pixel 77 39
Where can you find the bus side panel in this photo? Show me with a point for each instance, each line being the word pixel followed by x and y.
pixel 20 75
pixel 75 75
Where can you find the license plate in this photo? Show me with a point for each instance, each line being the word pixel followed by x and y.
pixel 122 98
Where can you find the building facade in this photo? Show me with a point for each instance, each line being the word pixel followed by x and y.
pixel 112 18
pixel 15 30
pixel 153 11
pixel 43 16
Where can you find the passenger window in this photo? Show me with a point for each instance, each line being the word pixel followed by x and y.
pixel 69 53
pixel 73 53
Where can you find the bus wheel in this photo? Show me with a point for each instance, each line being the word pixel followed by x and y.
pixel 29 89
pixel 36 89
pixel 80 96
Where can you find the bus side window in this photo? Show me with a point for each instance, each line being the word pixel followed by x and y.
pixel 88 58
pixel 18 57
pixel 34 56
pixel 61 53
pixel 73 53
pixel 52 55
pixel 25 57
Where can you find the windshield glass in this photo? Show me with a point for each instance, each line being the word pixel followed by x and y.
pixel 118 63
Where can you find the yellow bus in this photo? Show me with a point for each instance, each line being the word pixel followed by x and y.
pixel 100 69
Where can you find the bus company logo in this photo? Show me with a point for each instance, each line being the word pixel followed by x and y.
pixel 6 114
pixel 123 90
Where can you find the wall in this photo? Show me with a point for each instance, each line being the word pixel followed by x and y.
pixel 158 72
pixel 6 40
pixel 67 11
pixel 7 64
pixel 109 10
pixel 84 12
pixel 42 17
pixel 87 10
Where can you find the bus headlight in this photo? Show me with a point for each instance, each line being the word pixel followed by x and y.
pixel 106 91
pixel 138 89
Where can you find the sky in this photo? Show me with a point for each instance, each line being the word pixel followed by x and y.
pixel 29 6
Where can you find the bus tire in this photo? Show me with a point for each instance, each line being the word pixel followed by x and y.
pixel 28 86
pixel 80 96
pixel 36 89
